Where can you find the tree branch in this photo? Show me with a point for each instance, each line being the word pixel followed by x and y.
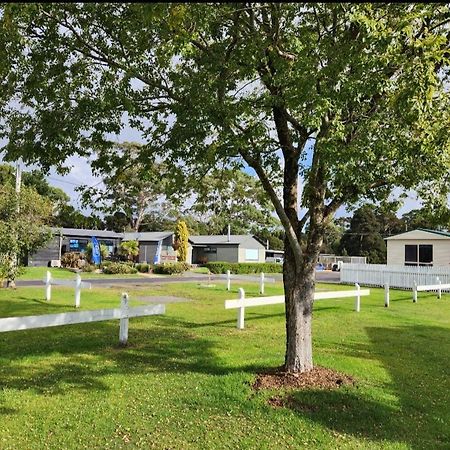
pixel 290 232
pixel 97 55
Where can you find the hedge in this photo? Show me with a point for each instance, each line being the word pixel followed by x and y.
pixel 243 268
pixel 143 267
pixel 170 268
pixel 115 268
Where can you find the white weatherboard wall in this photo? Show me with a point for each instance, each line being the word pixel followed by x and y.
pixel 397 276
pixel 396 247
pixel 441 251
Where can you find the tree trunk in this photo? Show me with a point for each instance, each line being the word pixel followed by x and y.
pixel 299 294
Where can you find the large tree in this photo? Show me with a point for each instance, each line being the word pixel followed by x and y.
pixel 23 230
pixel 351 98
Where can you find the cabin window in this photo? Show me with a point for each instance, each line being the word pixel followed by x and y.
pixel 251 254
pixel 419 255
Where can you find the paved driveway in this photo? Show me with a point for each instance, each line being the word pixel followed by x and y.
pixel 321 276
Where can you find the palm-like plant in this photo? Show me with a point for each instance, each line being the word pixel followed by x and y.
pixel 129 249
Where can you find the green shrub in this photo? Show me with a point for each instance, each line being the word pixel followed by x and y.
pixel 71 260
pixel 88 267
pixel 116 268
pixel 171 268
pixel 143 267
pixel 104 264
pixel 244 268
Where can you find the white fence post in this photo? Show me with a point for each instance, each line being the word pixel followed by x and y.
pixel 261 284
pixel 124 312
pixel 386 295
pixel 77 290
pixel 241 311
pixel 358 298
pixel 48 286
pixel 415 292
pixel 228 280
pixel 439 290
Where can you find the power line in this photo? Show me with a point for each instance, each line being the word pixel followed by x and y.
pixel 72 183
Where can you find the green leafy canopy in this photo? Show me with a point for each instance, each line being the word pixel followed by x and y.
pixel 365 83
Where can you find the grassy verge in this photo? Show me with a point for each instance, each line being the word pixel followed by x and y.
pixel 203 270
pixel 39 273
pixel 184 380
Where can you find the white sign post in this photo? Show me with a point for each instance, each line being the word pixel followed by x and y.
pixel 440 287
pixel 228 280
pixel 123 332
pixel 48 286
pixel 77 290
pixel 358 298
pixel 241 310
pixel 261 284
pixel 386 295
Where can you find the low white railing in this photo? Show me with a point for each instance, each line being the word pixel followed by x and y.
pixel 439 287
pixel 262 279
pixel 53 320
pixel 77 284
pixel 402 277
pixel 241 303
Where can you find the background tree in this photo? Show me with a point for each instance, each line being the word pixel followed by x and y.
pixel 36 180
pixel 332 239
pixel 23 230
pixel 386 215
pixel 363 238
pixel 63 214
pixel 68 216
pixel 229 197
pixel 427 218
pixel 118 222
pixel 181 240
pixel 259 85
pixel 129 189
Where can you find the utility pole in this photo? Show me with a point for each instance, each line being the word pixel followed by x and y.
pixel 14 255
pixel 18 181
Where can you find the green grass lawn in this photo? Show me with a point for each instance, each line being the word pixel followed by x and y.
pixel 203 270
pixel 184 379
pixel 39 273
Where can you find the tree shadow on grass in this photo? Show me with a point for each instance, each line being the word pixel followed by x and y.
pixel 25 306
pixel 249 317
pixel 417 359
pixel 55 360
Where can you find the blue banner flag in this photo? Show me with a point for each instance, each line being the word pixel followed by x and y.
pixel 96 255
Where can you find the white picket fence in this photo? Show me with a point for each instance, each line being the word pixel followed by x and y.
pixel 53 320
pixel 402 277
